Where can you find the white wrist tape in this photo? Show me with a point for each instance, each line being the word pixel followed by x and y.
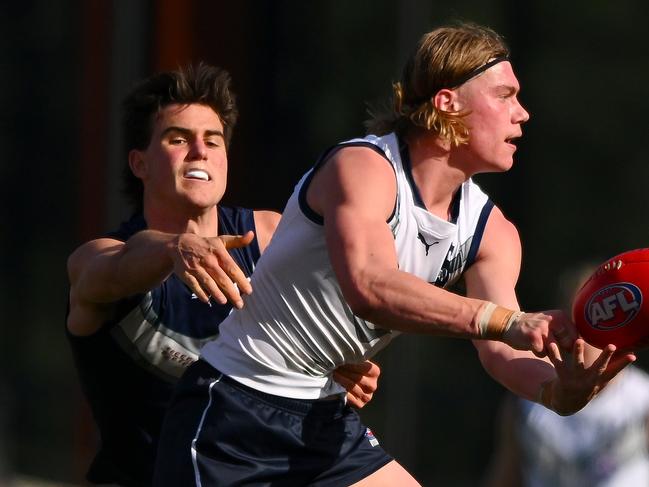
pixel 494 321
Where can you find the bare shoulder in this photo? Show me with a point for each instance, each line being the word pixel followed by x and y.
pixel 354 176
pixel 361 157
pixel 266 222
pixel 500 236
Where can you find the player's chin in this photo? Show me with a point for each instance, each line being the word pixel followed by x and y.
pixel 507 166
pixel 502 165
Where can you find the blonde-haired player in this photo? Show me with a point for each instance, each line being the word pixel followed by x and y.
pixel 365 247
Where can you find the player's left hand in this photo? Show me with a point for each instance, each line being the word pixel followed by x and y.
pixel 360 381
pixel 576 384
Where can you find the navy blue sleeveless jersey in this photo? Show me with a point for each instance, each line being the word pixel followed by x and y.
pixel 129 368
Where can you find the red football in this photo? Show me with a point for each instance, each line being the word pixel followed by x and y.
pixel 610 307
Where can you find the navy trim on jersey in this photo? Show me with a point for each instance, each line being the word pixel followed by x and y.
pixel 128 228
pixel 455 205
pixel 407 169
pixel 479 230
pixel 326 155
pixel 231 221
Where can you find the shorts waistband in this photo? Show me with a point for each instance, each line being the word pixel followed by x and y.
pixel 325 407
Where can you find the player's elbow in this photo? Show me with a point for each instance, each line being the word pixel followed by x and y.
pixel 362 308
pixel 493 356
pixel 361 299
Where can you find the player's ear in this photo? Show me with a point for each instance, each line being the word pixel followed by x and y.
pixel 446 100
pixel 137 163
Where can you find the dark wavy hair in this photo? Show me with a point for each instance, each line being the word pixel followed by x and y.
pixel 193 84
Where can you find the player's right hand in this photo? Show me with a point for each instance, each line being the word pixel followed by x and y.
pixel 535 331
pixel 528 332
pixel 207 268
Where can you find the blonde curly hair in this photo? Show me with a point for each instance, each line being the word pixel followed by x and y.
pixel 444 58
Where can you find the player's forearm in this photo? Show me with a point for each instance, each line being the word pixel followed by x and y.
pixel 519 371
pixel 139 265
pixel 400 301
pixel 146 261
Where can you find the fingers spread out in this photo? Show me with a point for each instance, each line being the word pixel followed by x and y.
pixel 610 363
pixel 578 353
pixel 209 286
pixel 196 288
pixel 601 363
pixel 562 359
pixel 225 286
pixel 205 265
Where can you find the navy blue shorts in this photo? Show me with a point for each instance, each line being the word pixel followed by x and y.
pixel 219 432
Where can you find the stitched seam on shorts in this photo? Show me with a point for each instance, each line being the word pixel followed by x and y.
pixel 198 432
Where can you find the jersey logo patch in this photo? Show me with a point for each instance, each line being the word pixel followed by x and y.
pixel 421 238
pixel 454 263
pixel 370 437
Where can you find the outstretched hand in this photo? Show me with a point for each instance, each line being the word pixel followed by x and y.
pixel 360 381
pixel 535 331
pixel 576 384
pixel 207 268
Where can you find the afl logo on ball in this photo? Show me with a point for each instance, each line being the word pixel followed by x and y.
pixel 613 306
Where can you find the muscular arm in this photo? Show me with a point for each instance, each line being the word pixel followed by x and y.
pixel 103 271
pixel 355 193
pixel 363 256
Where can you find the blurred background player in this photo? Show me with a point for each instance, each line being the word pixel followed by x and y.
pixel 379 227
pixel 606 444
pixel 143 299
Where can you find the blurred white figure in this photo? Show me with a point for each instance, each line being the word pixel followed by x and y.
pixel 603 445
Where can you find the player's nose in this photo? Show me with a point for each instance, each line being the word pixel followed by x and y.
pixel 520 114
pixel 198 150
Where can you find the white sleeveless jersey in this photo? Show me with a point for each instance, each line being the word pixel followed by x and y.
pixel 603 445
pixel 296 327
